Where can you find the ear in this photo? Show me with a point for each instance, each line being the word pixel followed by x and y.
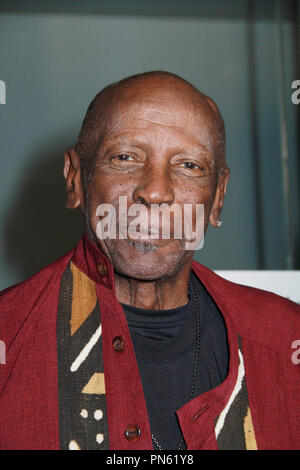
pixel 72 174
pixel 219 198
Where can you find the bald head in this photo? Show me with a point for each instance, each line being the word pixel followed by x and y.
pixel 157 87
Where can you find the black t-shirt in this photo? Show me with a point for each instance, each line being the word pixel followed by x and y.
pixel 165 342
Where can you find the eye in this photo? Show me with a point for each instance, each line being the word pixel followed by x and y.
pixel 191 165
pixel 123 161
pixel 191 168
pixel 123 158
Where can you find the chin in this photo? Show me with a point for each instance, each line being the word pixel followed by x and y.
pixel 147 273
pixel 147 261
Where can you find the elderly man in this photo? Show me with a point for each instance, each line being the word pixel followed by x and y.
pixel 126 342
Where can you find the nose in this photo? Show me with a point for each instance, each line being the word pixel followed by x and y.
pixel 155 187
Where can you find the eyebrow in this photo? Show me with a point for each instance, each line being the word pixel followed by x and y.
pixel 139 141
pixel 122 140
pixel 107 141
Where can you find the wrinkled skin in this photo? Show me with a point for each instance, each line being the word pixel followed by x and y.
pixel 157 144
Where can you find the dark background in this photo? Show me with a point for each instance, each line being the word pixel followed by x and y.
pixel 56 55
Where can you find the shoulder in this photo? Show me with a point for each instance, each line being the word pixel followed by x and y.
pixel 259 315
pixel 22 296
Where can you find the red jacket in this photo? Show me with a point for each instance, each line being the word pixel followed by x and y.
pixel 264 323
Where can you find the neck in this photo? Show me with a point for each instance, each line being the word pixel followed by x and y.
pixel 160 294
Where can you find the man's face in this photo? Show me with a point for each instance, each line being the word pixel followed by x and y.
pixel 153 150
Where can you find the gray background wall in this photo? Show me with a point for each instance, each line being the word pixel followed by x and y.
pixel 55 56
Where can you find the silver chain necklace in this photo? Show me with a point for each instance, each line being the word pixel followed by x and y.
pixel 195 369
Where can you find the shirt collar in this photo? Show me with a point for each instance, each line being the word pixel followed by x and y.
pixel 90 259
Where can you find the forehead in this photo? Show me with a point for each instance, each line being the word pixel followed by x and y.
pixel 185 119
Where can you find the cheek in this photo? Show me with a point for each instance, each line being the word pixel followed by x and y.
pixel 105 189
pixel 198 194
pixel 203 193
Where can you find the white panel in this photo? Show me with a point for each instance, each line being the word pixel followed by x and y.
pixel 284 283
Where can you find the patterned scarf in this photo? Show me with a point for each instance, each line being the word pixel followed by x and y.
pixel 82 399
pixel 81 385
